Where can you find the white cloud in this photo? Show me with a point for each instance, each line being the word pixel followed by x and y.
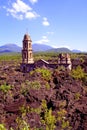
pixel 62 46
pixel 4 7
pixel 65 46
pixel 54 46
pixel 33 1
pixel 43 40
pixel 45 22
pixel 50 33
pixel 30 15
pixel 20 6
pixel 21 10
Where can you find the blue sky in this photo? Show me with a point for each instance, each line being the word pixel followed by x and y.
pixel 59 23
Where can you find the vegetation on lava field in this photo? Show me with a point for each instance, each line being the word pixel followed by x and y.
pixel 43 99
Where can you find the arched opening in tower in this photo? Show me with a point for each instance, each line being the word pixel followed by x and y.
pixel 30 55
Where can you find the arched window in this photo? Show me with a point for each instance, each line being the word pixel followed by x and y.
pixel 25 45
pixel 30 55
pixel 29 45
pixel 25 55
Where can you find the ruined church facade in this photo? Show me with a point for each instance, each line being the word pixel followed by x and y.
pixel 65 60
pixel 28 63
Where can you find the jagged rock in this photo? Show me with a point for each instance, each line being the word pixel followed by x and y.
pixel 34 120
pixel 60 95
pixel 15 106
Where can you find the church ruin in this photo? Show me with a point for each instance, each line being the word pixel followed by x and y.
pixel 27 54
pixel 65 60
pixel 28 63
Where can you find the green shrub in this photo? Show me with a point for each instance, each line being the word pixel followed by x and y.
pixel 77 96
pixel 49 120
pixel 44 104
pixel 23 110
pixel 78 73
pixel 36 110
pixel 61 114
pixel 5 88
pixel 30 84
pixel 11 57
pixel 47 86
pixel 24 89
pixel 45 73
pixel 22 124
pixel 2 127
pixel 62 119
pixel 34 84
pixel 65 124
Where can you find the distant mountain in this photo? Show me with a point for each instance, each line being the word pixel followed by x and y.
pixel 5 51
pixel 7 48
pixel 60 50
pixel 76 51
pixel 41 47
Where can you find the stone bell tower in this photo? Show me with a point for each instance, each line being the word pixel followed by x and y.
pixel 27 53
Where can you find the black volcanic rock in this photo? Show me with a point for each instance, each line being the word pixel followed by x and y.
pixel 23 102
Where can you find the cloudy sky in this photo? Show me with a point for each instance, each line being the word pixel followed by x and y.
pixel 59 23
